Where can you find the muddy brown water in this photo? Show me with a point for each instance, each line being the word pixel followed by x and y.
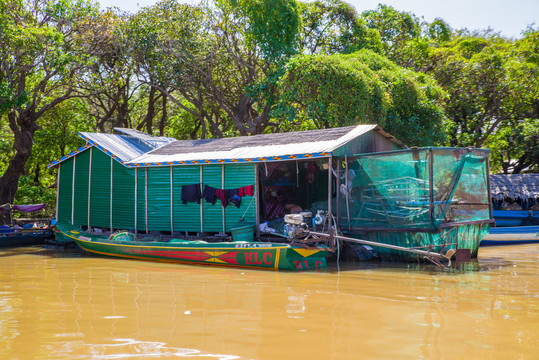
pixel 64 305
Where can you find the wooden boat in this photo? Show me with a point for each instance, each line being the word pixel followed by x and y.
pixel 511 235
pixel 260 255
pixel 32 232
pixel 10 236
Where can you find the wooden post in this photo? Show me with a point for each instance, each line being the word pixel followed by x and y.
pixel 257 212
pixel 223 187
pixel 348 186
pixel 73 191
pixel 330 222
pixel 146 197
pixel 201 202
pixel 111 190
pixel 136 201
pixel 90 185
pixel 58 189
pixel 171 202
pixel 431 186
pixel 338 195
pixel 489 199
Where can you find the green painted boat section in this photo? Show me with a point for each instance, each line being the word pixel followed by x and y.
pixel 467 237
pixel 236 254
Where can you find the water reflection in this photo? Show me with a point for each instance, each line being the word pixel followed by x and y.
pixel 64 305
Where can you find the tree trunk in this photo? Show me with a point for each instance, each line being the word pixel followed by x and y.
pixel 164 116
pixel 150 113
pixel 23 129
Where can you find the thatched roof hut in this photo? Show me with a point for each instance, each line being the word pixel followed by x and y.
pixel 523 187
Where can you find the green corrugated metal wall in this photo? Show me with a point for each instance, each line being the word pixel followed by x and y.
pixel 65 191
pixel 123 197
pixel 213 214
pixel 159 198
pixel 186 216
pixel 141 201
pixel 100 189
pixel 82 164
pixel 238 175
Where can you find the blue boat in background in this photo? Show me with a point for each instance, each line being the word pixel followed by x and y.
pixel 511 235
pixel 515 198
pixel 506 218
pixel 27 232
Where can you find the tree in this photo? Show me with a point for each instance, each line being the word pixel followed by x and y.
pixel 490 85
pixel 396 29
pixel 45 47
pixel 333 26
pixel 360 88
pixel 221 58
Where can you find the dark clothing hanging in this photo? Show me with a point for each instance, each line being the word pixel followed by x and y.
pixel 221 194
pixel 236 200
pixel 209 194
pixel 191 193
pixel 234 196
pixel 230 193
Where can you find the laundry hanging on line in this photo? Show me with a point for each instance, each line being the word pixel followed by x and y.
pixel 192 193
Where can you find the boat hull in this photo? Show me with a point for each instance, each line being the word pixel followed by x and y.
pixel 512 218
pixel 270 256
pixel 26 238
pixel 512 235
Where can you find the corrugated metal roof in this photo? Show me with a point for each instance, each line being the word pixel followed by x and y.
pixel 135 149
pixel 118 145
pixel 278 146
pixel 514 186
pixel 125 147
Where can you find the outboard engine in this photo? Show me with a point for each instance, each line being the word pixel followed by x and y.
pixel 294 226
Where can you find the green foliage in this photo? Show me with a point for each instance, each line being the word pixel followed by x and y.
pixel 333 26
pixel 396 28
pixel 489 85
pixel 515 148
pixel 31 193
pixel 361 88
pixel 439 30
pixel 272 26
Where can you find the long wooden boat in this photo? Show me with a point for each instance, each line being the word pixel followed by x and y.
pixel 260 255
pixel 511 235
pixel 24 237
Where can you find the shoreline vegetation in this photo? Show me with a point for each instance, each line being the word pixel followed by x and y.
pixel 241 67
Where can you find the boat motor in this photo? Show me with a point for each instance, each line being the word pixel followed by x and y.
pixel 294 226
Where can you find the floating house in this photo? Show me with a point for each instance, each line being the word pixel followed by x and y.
pixel 359 179
pixel 515 198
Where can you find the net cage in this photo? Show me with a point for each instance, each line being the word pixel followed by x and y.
pixel 421 197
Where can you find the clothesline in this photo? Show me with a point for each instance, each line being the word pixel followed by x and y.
pixel 193 193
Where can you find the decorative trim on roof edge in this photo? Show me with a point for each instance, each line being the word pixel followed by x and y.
pixel 71 154
pixel 190 162
pixel 234 161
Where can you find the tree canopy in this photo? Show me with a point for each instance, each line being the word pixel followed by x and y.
pixel 240 67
